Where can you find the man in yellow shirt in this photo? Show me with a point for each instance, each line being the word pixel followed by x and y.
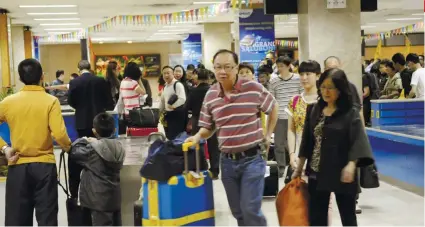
pixel 33 117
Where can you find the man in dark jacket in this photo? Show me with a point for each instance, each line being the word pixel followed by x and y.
pixel 88 95
pixel 102 160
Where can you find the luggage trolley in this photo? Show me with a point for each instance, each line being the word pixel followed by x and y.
pixel 136 152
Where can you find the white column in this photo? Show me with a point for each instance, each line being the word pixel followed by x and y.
pixel 216 36
pixel 18 48
pixel 326 32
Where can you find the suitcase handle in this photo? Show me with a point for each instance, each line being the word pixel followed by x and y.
pixel 155 134
pixel 185 149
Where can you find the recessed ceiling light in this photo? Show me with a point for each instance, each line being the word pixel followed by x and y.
pixel 368 26
pixel 68 13
pixel 403 19
pixel 170 30
pixel 62 29
pixel 55 19
pixel 129 41
pixel 205 3
pixel 47 6
pixel 65 24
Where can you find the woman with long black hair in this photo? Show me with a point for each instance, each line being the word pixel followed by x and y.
pixel 112 80
pixel 335 143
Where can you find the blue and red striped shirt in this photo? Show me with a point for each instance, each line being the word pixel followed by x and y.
pixel 236 117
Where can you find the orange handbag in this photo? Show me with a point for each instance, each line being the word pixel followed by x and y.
pixel 292 204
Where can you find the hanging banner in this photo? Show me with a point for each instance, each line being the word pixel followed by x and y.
pixel 192 50
pixel 256 34
pixel 36 48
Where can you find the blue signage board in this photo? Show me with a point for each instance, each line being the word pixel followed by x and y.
pixel 192 50
pixel 256 35
pixel 36 48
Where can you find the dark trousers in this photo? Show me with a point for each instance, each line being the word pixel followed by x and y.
pixel 28 187
pixel 319 206
pixel 212 144
pixel 103 218
pixel 74 171
pixel 214 152
pixel 367 107
pixel 176 123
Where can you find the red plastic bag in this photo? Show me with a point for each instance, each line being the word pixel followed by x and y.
pixel 292 204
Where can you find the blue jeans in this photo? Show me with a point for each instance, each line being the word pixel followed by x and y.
pixel 243 181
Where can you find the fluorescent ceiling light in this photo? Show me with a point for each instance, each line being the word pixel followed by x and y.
pixel 47 6
pixel 368 26
pixel 170 30
pixel 65 24
pixel 380 23
pixel 156 34
pixel 403 19
pixel 205 3
pixel 55 19
pixel 69 13
pixel 62 29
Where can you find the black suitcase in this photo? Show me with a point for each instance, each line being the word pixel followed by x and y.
pixel 138 212
pixel 271 183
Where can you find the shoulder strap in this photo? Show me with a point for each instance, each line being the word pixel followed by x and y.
pixel 174 86
pixel 294 103
pixel 62 161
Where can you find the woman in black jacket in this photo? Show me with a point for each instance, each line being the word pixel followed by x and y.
pixel 334 142
pixel 196 100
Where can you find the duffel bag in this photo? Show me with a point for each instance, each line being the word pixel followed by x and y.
pixel 144 117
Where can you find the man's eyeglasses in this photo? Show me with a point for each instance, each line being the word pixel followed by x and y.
pixel 227 68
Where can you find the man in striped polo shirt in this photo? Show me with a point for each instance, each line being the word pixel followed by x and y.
pixel 233 107
pixel 283 87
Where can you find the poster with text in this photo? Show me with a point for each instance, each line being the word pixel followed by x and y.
pixel 256 35
pixel 192 50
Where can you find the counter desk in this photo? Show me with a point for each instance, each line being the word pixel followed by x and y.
pixel 397 140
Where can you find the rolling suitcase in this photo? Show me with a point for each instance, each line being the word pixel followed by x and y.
pixel 271 182
pixel 185 199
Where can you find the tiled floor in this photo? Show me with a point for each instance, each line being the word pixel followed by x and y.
pixel 385 206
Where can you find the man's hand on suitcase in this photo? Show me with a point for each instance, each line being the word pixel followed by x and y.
pixel 194 139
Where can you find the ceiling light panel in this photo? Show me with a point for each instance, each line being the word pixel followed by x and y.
pixel 47 6
pixel 62 29
pixel 61 24
pixel 62 13
pixel 403 19
pixel 206 3
pixel 56 19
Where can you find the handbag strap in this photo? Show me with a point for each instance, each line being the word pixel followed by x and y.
pixel 64 188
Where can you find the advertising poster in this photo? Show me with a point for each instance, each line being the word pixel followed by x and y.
pixel 256 35
pixel 150 64
pixel 192 50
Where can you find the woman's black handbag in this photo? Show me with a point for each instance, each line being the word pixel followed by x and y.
pixel 369 177
pixel 144 118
